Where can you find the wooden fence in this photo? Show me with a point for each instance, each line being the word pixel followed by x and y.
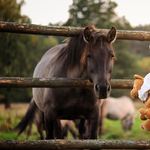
pixel 73 144
pixel 20 82
pixel 67 31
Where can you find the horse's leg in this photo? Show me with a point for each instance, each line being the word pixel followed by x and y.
pixel 58 129
pixel 129 122
pixel 73 133
pixel 81 128
pixel 94 128
pixel 123 123
pixel 65 132
pixel 129 125
pixel 88 128
pixel 76 121
pixel 94 125
pixel 40 130
pixel 70 127
pixel 49 127
pixel 49 120
pixel 102 117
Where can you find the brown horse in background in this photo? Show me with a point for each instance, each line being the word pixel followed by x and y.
pixel 121 108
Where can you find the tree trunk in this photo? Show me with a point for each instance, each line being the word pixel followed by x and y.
pixel 7 103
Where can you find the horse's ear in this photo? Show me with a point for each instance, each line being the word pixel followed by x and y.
pixel 87 35
pixel 111 36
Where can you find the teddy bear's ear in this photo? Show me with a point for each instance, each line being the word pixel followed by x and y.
pixel 137 77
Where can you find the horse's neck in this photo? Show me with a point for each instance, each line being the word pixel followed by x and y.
pixel 77 72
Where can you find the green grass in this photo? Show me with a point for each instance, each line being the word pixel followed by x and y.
pixel 112 129
pixel 6 132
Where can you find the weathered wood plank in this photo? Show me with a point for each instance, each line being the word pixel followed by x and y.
pixel 22 82
pixel 24 28
pixel 73 144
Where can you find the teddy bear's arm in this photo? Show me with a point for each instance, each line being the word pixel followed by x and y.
pixel 142 117
pixel 145 112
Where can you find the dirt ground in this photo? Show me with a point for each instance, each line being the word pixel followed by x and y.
pixel 17 109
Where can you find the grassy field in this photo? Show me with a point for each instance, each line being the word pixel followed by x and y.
pixel 113 130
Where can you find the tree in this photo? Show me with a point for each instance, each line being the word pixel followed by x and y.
pixel 143 69
pixel 10 46
pixel 19 52
pixel 97 12
pixel 10 11
pixel 138 47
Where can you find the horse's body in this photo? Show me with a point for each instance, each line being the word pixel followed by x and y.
pixel 88 55
pixel 121 108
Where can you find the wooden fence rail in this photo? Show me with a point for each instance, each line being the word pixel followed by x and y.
pixel 24 82
pixel 73 144
pixel 14 27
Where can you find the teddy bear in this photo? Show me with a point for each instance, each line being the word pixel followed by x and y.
pixel 135 93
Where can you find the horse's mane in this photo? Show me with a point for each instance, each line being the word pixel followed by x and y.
pixel 76 49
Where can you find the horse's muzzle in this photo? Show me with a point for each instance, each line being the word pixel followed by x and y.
pixel 102 92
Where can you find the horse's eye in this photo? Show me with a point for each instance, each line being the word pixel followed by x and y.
pixel 112 55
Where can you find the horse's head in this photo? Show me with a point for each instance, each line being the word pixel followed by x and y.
pixel 99 59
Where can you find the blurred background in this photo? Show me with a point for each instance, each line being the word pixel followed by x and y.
pixel 20 53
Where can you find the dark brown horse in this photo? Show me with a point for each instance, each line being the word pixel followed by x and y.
pixel 88 55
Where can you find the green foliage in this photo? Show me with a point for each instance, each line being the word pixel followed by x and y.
pixel 144 69
pixel 19 52
pixel 141 48
pixel 10 11
pixel 121 64
pixel 6 125
pixel 125 66
pixel 98 13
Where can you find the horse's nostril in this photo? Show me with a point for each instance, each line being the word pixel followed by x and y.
pixel 108 87
pixel 97 87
